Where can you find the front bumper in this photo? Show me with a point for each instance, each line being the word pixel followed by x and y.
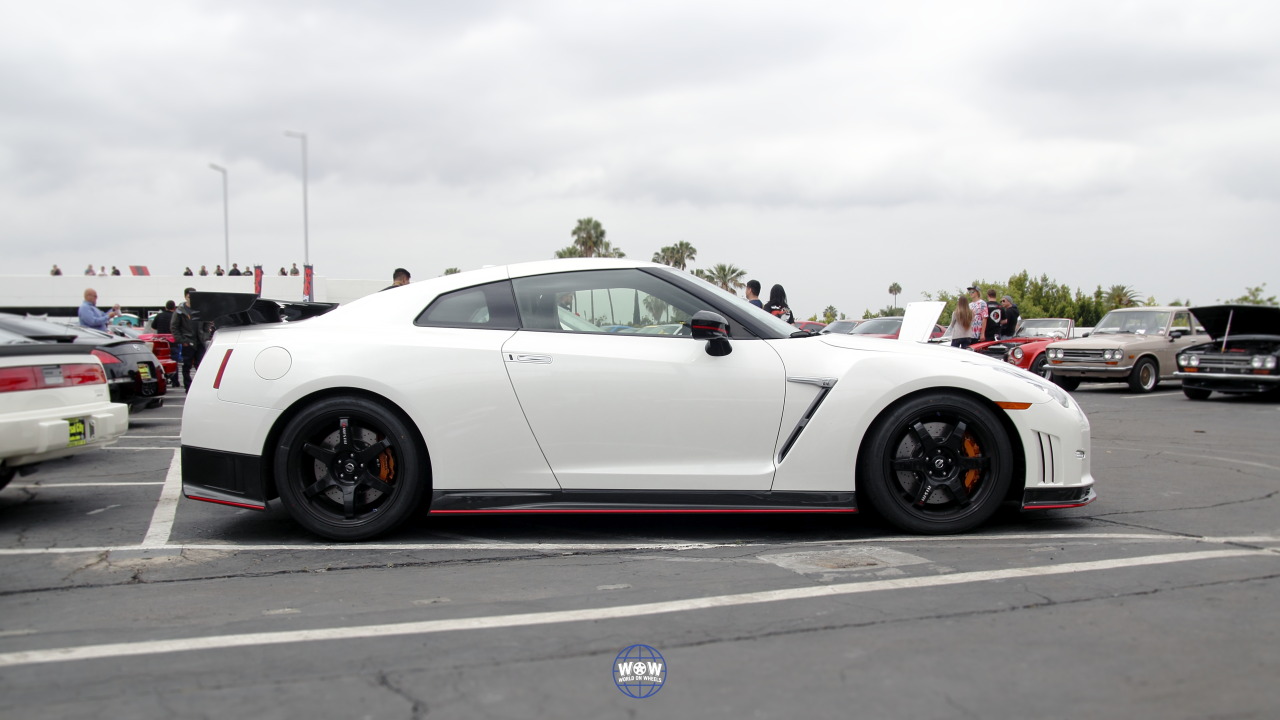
pixel 1228 382
pixel 1090 371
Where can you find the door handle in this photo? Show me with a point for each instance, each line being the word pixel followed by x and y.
pixel 527 358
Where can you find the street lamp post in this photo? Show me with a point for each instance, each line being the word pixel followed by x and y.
pixel 226 215
pixel 306 240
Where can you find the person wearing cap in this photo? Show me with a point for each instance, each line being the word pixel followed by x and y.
pixel 1008 318
pixel 979 313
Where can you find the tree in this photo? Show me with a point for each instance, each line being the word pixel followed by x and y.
pixel 588 236
pixel 677 256
pixel 1119 296
pixel 451 271
pixel 727 277
pixel 829 315
pixel 894 290
pixel 1251 296
pixel 571 251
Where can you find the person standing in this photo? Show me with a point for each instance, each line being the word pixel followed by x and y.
pixel 204 271
pixel 777 305
pixel 979 309
pixel 56 270
pixel 235 270
pixel 283 272
pixel 91 316
pixel 187 272
pixel 294 270
pixel 163 322
pixel 219 271
pixel 1009 316
pixel 191 334
pixel 992 325
pixel 399 277
pixel 753 293
pixel 962 325
pixel 90 271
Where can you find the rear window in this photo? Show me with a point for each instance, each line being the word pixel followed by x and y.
pixel 490 307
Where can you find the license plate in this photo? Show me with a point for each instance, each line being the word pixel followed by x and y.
pixel 52 374
pixel 144 371
pixel 75 432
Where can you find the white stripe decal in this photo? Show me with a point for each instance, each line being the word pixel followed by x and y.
pixel 167 508
pixel 152 647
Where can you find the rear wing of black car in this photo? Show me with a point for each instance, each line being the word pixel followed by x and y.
pixel 239 309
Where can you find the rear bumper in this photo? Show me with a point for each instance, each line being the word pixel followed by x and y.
pixel 30 437
pixel 222 477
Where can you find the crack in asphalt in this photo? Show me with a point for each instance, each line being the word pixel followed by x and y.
pixel 419 707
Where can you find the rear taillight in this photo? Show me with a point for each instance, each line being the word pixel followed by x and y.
pixel 39 377
pixel 106 357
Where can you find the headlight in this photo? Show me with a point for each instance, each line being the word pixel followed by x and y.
pixel 1053 353
pixel 1264 361
pixel 1055 392
pixel 1184 360
pixel 1194 361
pixel 1015 354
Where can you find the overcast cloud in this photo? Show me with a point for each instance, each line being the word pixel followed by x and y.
pixel 831 147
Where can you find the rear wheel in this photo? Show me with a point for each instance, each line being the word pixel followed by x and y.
pixel 347 468
pixel 937 464
pixel 1145 376
pixel 1196 393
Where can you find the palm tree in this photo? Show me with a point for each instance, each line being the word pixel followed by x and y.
pixel 588 236
pixel 894 290
pixel 1121 296
pixel 571 251
pixel 728 277
pixel 656 306
pixel 451 271
pixel 682 253
pixel 609 251
pixel 665 256
pixel 829 315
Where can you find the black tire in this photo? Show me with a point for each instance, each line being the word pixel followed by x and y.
pixel 1066 383
pixel 1040 366
pixel 347 469
pixel 937 464
pixel 6 474
pixel 1145 376
pixel 1196 393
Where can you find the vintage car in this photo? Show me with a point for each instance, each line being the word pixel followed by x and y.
pixel 1242 357
pixel 1137 345
pixel 887 327
pixel 54 402
pixel 478 393
pixel 1026 348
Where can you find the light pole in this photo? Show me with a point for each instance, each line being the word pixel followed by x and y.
pixel 226 215
pixel 306 240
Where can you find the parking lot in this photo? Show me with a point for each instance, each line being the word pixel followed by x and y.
pixel 117 598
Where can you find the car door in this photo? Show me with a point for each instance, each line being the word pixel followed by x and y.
pixel 1168 355
pixel 638 411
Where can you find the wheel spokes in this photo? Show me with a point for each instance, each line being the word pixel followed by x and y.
pixel 319 452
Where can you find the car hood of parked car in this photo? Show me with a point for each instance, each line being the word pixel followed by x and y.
pixel 1223 320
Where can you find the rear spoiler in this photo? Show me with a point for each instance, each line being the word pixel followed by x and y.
pixel 226 309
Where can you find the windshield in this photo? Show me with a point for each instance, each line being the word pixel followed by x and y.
pixel 1044 327
pixel 1136 322
pixel 841 326
pixel 878 326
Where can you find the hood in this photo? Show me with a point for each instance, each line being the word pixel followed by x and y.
pixel 1222 320
pixel 917 324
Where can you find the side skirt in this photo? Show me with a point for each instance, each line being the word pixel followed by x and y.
pixel 633 501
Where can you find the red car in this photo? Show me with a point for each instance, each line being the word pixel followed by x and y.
pixel 889 327
pixel 810 325
pixel 1026 348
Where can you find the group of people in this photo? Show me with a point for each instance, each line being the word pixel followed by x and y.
pixel 89 270
pixel 981 320
pixel 235 270
pixel 776 306
pixel 191 336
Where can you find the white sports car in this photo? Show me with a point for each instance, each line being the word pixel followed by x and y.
pixel 500 391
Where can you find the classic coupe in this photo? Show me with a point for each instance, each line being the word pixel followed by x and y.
pixel 1137 346
pixel 1026 348
pixel 1243 357
pixel 500 391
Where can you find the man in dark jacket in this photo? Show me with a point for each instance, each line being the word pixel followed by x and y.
pixel 163 323
pixel 191 334
pixel 1009 316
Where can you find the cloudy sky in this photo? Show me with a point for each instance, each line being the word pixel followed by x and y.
pixel 832 147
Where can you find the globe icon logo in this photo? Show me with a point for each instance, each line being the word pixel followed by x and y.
pixel 639 671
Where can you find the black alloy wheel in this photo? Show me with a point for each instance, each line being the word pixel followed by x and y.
pixel 937 464
pixel 349 469
pixel 1145 376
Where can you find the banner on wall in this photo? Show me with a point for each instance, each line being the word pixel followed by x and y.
pixel 308 277
pixel 257 280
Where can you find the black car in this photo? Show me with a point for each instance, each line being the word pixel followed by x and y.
pixel 1243 356
pixel 134 375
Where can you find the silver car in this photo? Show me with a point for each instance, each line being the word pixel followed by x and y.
pixel 1134 345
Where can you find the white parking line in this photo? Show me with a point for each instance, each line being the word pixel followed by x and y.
pixel 213 642
pixel 162 519
pixel 50 486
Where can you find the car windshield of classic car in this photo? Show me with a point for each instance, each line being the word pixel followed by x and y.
pixel 1045 327
pixel 1146 322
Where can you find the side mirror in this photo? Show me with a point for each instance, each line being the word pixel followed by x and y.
pixel 713 328
pixel 1175 334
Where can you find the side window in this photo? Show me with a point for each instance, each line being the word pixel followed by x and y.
pixel 1181 321
pixel 605 301
pixel 489 307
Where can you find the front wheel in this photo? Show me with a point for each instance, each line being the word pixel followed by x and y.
pixel 347 469
pixel 1040 366
pixel 1145 376
pixel 937 464
pixel 1066 383
pixel 1196 393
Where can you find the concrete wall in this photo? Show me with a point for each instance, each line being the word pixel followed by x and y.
pixel 42 293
